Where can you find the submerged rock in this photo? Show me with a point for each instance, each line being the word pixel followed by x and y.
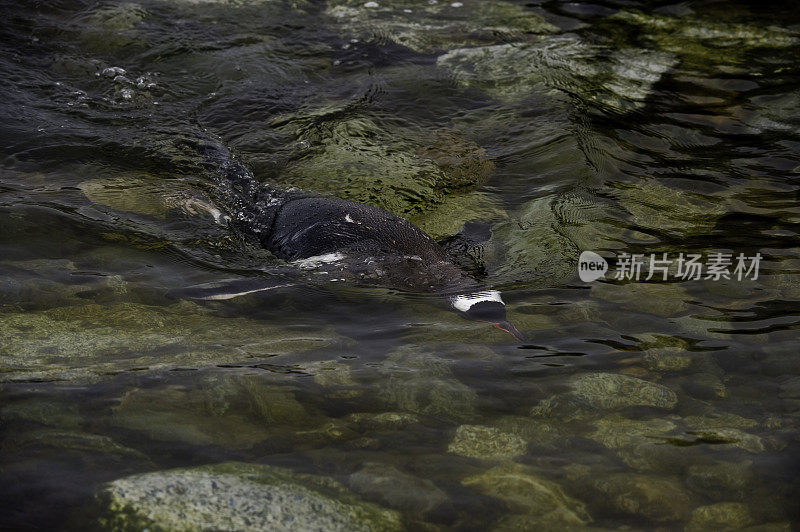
pixel 391 487
pixel 48 411
pixel 656 498
pixel 704 386
pixel 382 421
pixel 720 516
pixel 655 207
pixel 534 431
pixel 476 441
pixel 510 71
pixel 427 27
pixel 114 26
pixel 237 496
pixel 667 359
pixel 654 298
pixel 535 502
pixel 420 382
pixel 729 478
pixel 594 392
pixel 87 342
pixel 733 437
pixel 335 377
pixel 699 39
pixel 397 169
pixel 72 442
pixel 183 415
pixel 639 443
pixel 529 246
pixel 449 218
pixel 790 394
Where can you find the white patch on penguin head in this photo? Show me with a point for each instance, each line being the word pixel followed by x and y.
pixel 347 218
pixel 464 302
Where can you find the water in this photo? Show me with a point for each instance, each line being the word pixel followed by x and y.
pixel 556 127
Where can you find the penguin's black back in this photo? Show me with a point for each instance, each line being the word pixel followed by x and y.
pixel 311 226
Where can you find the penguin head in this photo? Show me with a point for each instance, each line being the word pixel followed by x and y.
pixel 485 306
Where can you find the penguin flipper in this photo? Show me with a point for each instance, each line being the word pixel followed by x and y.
pixel 227 289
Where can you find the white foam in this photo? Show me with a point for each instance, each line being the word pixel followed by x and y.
pixel 464 302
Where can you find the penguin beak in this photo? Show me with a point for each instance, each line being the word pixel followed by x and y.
pixel 508 327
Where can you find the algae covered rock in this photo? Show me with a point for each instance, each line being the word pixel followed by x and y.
pixel 476 441
pixel 535 502
pixel 594 392
pixel 237 496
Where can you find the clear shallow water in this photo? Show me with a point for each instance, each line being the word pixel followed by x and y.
pixel 561 127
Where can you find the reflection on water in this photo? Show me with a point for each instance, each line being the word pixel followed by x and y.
pixel 547 129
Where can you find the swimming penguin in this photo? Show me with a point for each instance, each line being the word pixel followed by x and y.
pixel 350 240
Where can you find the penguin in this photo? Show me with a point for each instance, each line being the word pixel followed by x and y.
pixel 348 240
